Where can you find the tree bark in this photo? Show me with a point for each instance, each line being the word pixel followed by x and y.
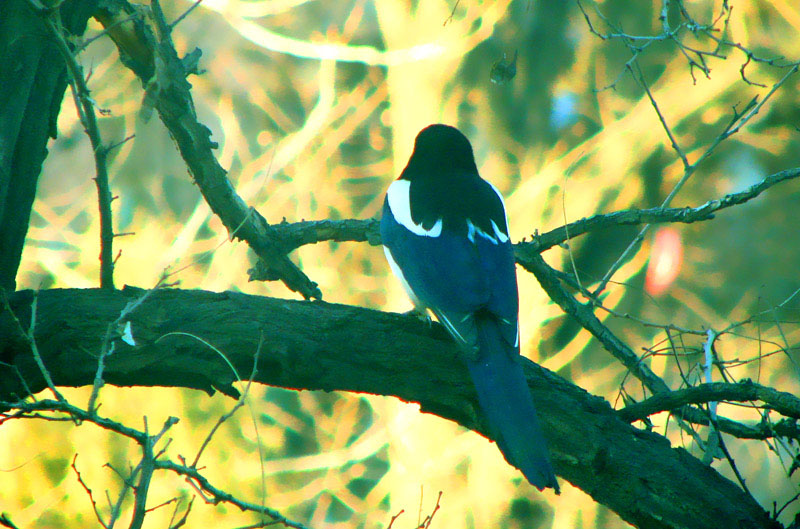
pixel 33 79
pixel 321 346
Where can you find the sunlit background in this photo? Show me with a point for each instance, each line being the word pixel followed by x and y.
pixel 315 106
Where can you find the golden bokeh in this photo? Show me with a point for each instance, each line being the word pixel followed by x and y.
pixel 315 106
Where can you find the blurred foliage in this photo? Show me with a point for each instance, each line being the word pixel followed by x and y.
pixel 315 106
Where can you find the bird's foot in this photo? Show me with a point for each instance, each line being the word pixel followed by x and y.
pixel 420 315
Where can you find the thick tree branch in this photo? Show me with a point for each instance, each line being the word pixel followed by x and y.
pixel 583 313
pixel 296 234
pixel 290 236
pixel 168 92
pixel 334 347
pixel 32 83
pixel 549 280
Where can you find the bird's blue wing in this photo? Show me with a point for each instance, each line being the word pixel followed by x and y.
pixel 455 277
pixel 466 276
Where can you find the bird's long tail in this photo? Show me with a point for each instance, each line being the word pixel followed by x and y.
pixel 507 403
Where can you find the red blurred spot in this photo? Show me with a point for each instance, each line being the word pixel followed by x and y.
pixel 666 257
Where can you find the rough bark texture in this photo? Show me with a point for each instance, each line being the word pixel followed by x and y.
pixel 32 83
pixel 315 345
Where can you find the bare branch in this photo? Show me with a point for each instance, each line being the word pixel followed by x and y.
pixel 88 491
pixel 182 520
pixel 784 403
pixel 426 523
pixel 639 77
pixel 322 346
pixel 114 331
pixel 239 403
pixel 185 14
pixel 85 43
pixel 5 521
pixel 738 121
pixel 30 337
pixel 296 234
pixel 220 496
pixel 589 321
pixel 168 91
pixel 85 107
pixel 148 466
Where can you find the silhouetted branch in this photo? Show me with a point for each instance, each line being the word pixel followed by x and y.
pixel 549 280
pixel 784 403
pixel 292 235
pixel 150 462
pixel 334 347
pixel 5 521
pixel 218 495
pixel 637 43
pixel 168 92
pixel 85 107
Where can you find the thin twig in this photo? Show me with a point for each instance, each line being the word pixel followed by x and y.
pixel 185 14
pixel 63 406
pixel 88 491
pixel 31 336
pixel 426 523
pixel 731 462
pixel 89 120
pixel 127 485
pixel 566 233
pixel 148 466
pixel 644 323
pixel 733 127
pixel 182 521
pixel 239 404
pixel 220 496
pixel 85 44
pixel 395 517
pixel 164 504
pixel 113 332
pixel 639 77
pixel 116 145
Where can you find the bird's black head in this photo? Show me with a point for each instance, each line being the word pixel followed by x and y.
pixel 445 185
pixel 441 150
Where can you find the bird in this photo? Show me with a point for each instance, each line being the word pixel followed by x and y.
pixel 445 234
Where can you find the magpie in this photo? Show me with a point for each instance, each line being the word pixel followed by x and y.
pixel 445 234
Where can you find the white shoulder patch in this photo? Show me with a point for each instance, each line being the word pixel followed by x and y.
pixel 500 235
pixel 472 230
pixel 399 198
